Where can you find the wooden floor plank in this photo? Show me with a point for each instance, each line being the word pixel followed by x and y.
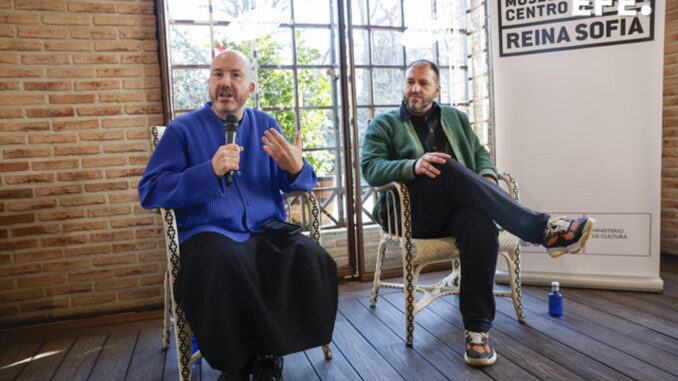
pixel 115 357
pixel 670 289
pixel 364 358
pixel 297 367
pixel 16 358
pixel 148 357
pixel 646 319
pixel 445 322
pixel 605 335
pixel 410 364
pixel 45 363
pixel 205 372
pixel 599 330
pixel 669 263
pixel 621 325
pixel 644 304
pixel 444 358
pixel 171 368
pixel 667 303
pixel 336 369
pixel 589 346
pixel 81 358
pixel 530 336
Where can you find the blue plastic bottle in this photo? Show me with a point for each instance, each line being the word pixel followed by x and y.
pixel 555 300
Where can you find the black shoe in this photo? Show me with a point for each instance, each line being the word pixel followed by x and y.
pixel 242 375
pixel 268 368
pixel 231 377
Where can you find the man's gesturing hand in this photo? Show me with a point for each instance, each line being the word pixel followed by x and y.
pixel 286 155
pixel 424 165
pixel 226 159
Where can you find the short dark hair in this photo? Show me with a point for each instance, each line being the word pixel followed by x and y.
pixel 431 64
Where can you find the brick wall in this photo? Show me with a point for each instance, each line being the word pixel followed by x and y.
pixel 79 87
pixel 669 223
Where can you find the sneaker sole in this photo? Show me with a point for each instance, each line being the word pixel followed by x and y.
pixel 576 247
pixel 481 361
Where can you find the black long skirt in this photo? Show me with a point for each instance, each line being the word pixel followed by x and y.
pixel 272 294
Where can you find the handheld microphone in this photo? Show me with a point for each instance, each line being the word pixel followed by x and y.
pixel 231 126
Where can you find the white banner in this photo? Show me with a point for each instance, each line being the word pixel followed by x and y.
pixel 578 106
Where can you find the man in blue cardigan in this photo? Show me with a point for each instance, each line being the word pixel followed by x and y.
pixel 453 190
pixel 250 295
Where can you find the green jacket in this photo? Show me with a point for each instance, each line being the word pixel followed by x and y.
pixel 391 147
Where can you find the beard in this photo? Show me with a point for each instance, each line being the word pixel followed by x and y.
pixel 418 105
pixel 227 101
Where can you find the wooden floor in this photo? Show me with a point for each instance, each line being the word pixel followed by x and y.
pixel 603 335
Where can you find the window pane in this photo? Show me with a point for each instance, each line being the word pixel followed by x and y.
pixel 319 131
pixel 359 12
pixel 190 45
pixel 190 88
pixel 361 49
pixel 443 52
pixel 385 12
pixel 312 11
pixel 425 52
pixel 386 48
pixel 188 10
pixel 318 128
pixel 417 12
pixel 388 86
pixel 286 121
pixel 362 86
pixel 276 88
pixel 444 86
pixel 227 10
pixel 276 48
pixel 313 46
pixel 363 117
pixel 381 110
pixel 272 49
pixel 315 88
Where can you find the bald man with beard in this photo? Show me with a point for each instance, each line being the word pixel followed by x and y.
pixel 250 295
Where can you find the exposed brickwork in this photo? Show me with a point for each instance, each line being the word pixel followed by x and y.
pixel 79 88
pixel 669 215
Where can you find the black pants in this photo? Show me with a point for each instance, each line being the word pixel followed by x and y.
pixel 272 294
pixel 463 204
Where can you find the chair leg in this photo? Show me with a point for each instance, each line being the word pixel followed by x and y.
pixel 327 351
pixel 514 278
pixel 182 335
pixel 410 287
pixel 166 315
pixel 456 269
pixel 377 273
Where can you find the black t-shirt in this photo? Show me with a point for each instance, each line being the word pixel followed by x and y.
pixel 429 129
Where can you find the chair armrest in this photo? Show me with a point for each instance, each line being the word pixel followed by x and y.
pixel 399 200
pixel 512 185
pixel 171 242
pixel 314 212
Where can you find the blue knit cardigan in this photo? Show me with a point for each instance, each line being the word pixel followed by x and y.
pixel 179 175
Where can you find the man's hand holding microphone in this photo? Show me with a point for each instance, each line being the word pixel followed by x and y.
pixel 227 158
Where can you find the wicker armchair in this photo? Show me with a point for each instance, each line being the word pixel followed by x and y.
pixel 174 315
pixel 419 253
